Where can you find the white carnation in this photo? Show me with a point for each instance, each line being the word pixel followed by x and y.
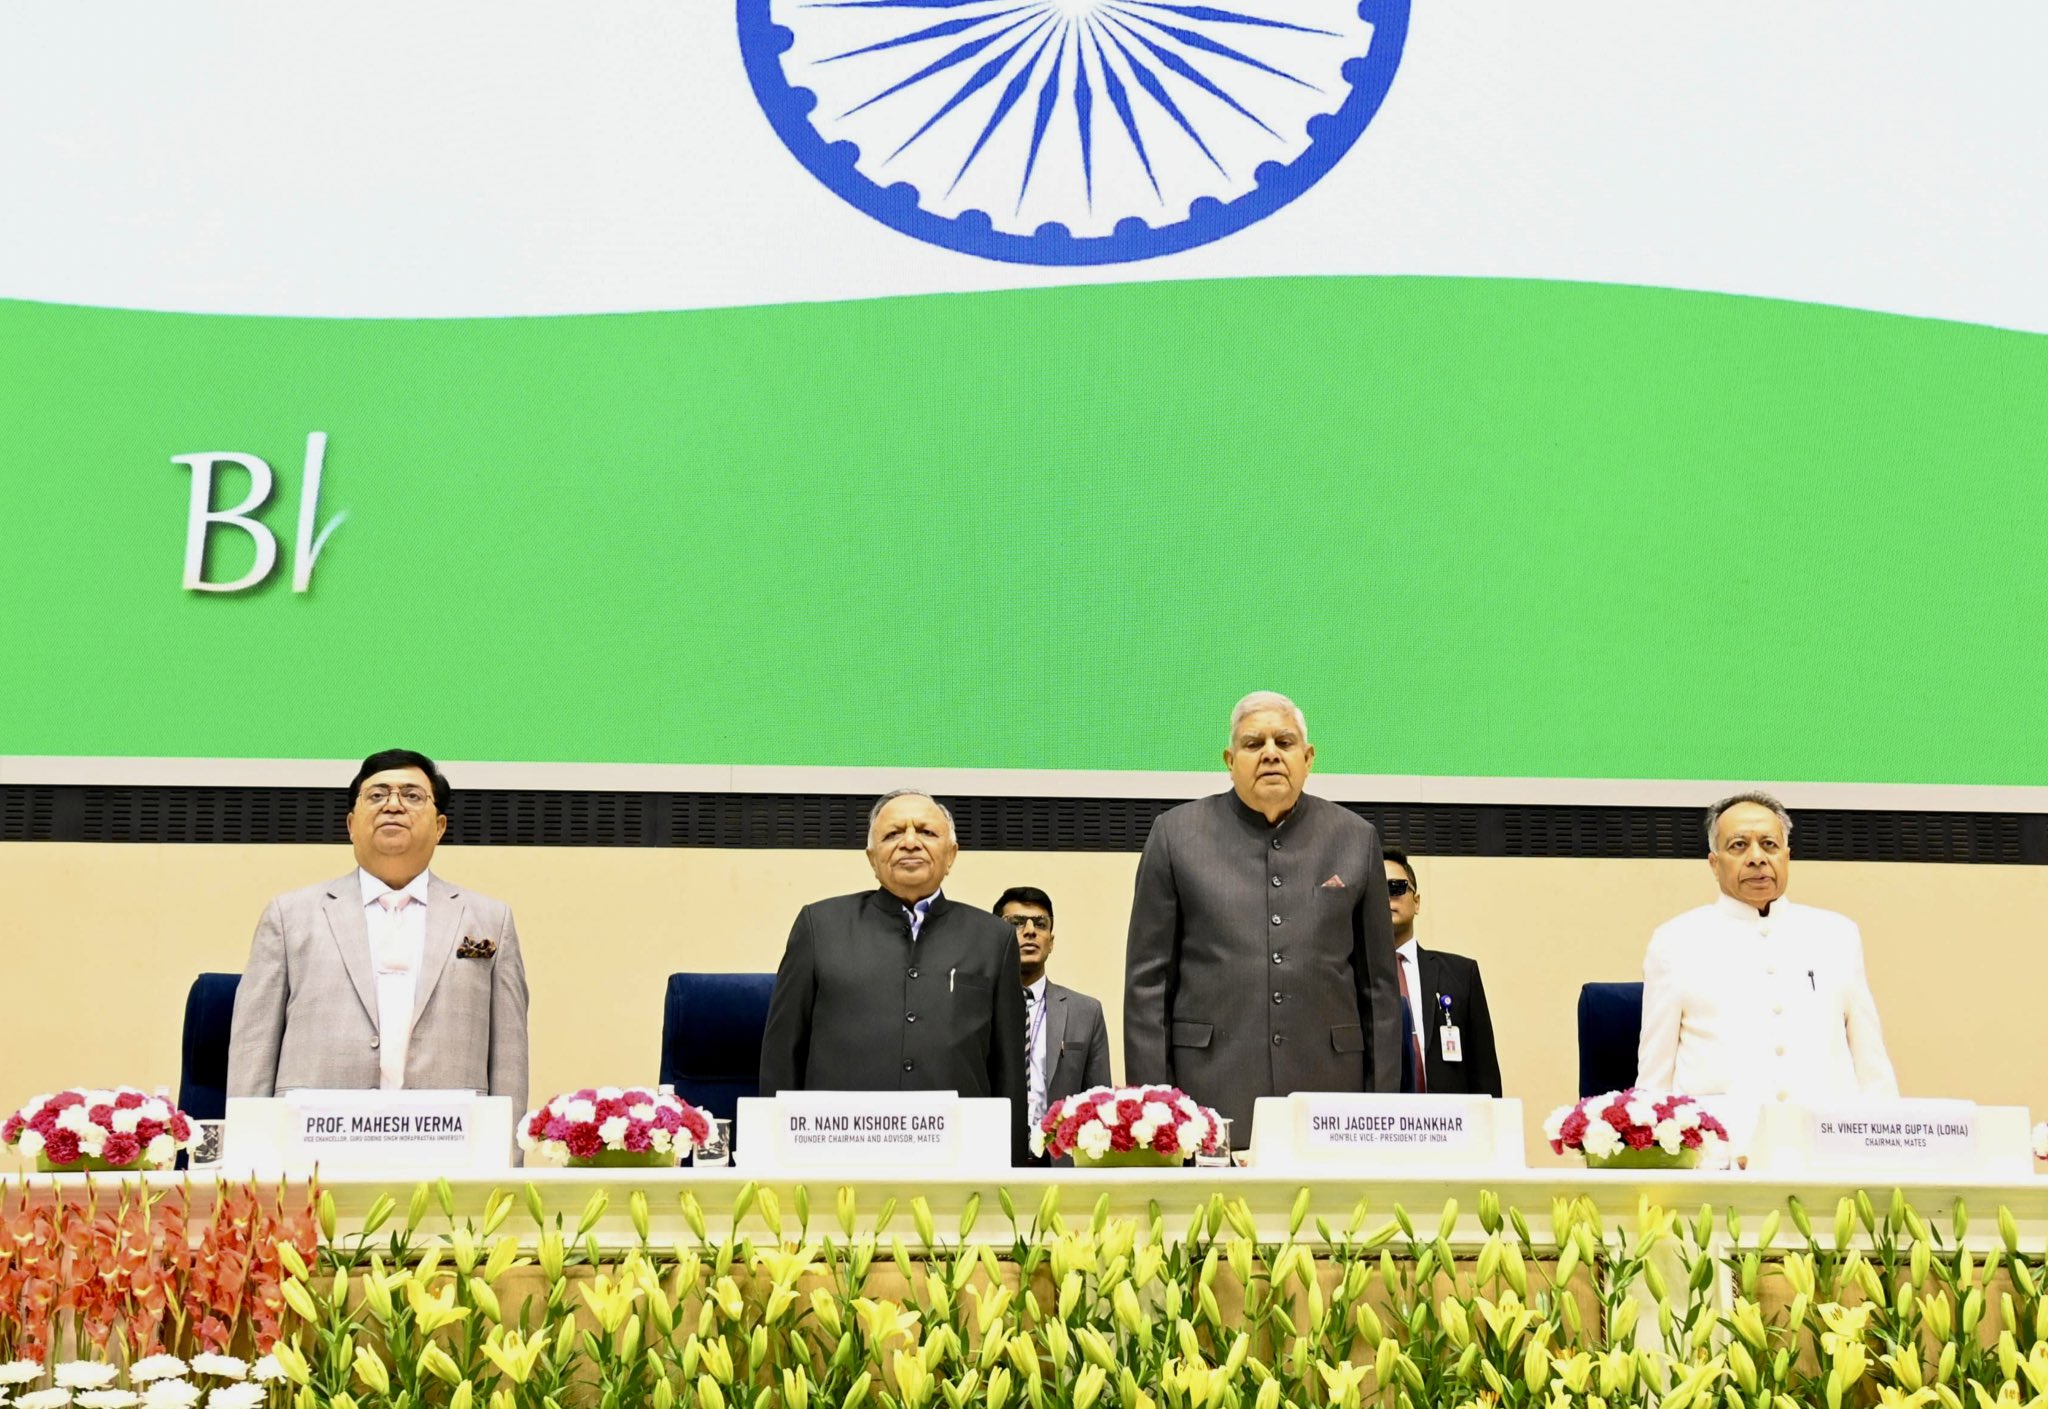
pixel 1189 1105
pixel 1143 1128
pixel 44 1399
pixel 613 1131
pixel 101 1098
pixel 35 1105
pixel 643 1111
pixel 155 1367
pixel 74 1119
pixel 84 1374
pixel 92 1139
pixel 662 1140
pixel 1687 1116
pixel 579 1112
pixel 170 1394
pixel 1601 1139
pixel 610 1093
pixel 21 1372
pixel 1553 1125
pixel 156 1109
pixel 267 1370
pixel 238 1396
pixel 1093 1138
pixel 162 1150
pixel 1158 1112
pixel 1641 1112
pixel 1192 1134
pixel 221 1367
pixel 30 1145
pixel 1670 1135
pixel 1037 1141
pixel 124 1123
pixel 108 1399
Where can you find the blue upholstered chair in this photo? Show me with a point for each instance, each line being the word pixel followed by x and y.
pixel 1610 1025
pixel 209 1018
pixel 711 1028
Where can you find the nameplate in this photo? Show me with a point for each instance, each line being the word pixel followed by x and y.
pixel 1323 1129
pixel 1375 1124
pixel 867 1127
pixel 370 1131
pixel 404 1126
pixel 1893 1134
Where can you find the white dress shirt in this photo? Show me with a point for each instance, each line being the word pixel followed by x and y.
pixel 1034 1033
pixel 1759 1009
pixel 1411 969
pixel 398 942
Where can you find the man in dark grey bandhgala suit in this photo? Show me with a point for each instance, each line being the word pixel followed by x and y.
pixel 900 989
pixel 1261 955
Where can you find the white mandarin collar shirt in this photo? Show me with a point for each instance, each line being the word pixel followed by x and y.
pixel 398 944
pixel 1760 1009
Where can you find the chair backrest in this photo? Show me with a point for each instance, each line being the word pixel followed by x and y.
pixel 711 1027
pixel 209 1021
pixel 1610 1026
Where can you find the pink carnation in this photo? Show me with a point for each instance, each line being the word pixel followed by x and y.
pixel 608 1109
pixel 558 1128
pixel 1166 1140
pixel 181 1128
pixel 1128 1111
pixel 147 1130
pixel 121 1149
pixel 583 1140
pixel 537 1124
pixel 1121 1140
pixel 639 1137
pixel 1638 1137
pixel 11 1131
pixel 45 1121
pixel 62 1147
pixel 698 1124
pixel 128 1101
pixel 637 1097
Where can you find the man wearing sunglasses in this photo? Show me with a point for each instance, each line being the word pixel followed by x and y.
pixel 388 976
pixel 1447 1026
pixel 1066 1043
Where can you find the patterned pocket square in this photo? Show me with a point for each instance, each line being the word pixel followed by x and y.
pixel 472 948
pixel 1336 882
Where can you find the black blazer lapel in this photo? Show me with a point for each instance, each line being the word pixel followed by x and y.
pixel 1430 969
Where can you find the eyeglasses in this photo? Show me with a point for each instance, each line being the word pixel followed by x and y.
pixel 1398 888
pixel 413 798
pixel 1018 922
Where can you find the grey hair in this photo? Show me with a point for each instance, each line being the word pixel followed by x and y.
pixel 875 812
pixel 1761 799
pixel 1267 699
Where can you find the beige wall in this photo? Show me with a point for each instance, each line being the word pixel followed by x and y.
pixel 101 942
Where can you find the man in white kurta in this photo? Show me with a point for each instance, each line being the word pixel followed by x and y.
pixel 1756 999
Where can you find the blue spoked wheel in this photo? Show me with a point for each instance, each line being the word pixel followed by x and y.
pixel 1070 131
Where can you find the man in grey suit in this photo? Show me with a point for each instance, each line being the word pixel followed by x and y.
pixel 1065 1039
pixel 388 976
pixel 900 988
pixel 1261 954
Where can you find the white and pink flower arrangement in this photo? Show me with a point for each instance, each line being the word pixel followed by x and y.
pixel 614 1125
pixel 83 1128
pixel 1127 1125
pixel 1639 1129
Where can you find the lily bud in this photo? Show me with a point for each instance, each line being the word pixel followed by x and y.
pixel 380 1213
pixel 323 1208
pixel 369 1368
pixel 416 1211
